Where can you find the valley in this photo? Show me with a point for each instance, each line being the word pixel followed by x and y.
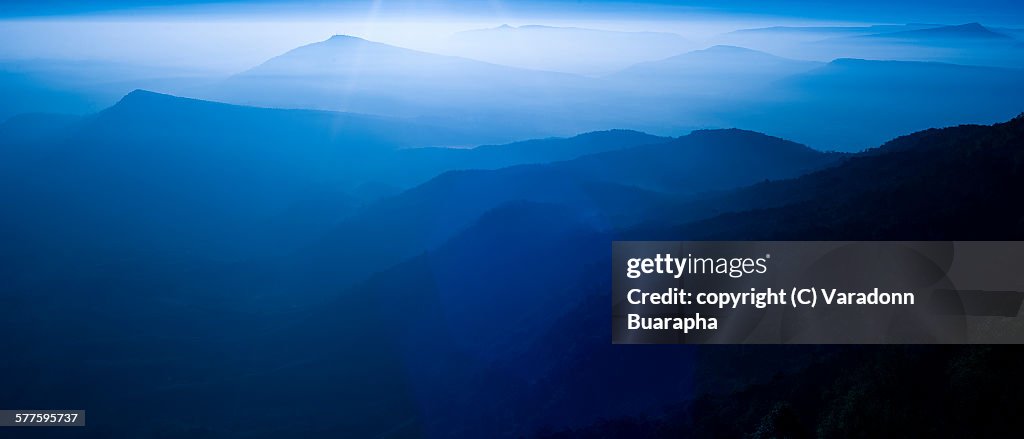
pixel 354 224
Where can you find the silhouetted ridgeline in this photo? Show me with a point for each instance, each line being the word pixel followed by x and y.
pixel 157 173
pixel 564 371
pixel 940 184
pixel 208 256
pixel 944 184
pixel 608 189
pixel 717 70
pixel 578 50
pixel 833 88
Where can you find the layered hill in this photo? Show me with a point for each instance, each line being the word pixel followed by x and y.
pixel 715 70
pixel 352 74
pixel 610 189
pixel 182 175
pixel 565 49
pixel 500 299
pixel 420 164
pixel 969 31
pixel 832 106
pixel 941 184
pixel 538 339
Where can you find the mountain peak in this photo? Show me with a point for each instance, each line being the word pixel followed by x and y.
pixel 145 100
pixel 849 61
pixel 140 95
pixel 723 48
pixel 726 51
pixel 969 29
pixel 738 134
pixel 740 141
pixel 340 38
pixel 975 26
pixel 972 30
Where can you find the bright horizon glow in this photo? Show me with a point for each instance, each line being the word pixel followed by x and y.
pixel 226 45
pixel 230 37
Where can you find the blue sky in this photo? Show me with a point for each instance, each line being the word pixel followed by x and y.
pixel 1003 12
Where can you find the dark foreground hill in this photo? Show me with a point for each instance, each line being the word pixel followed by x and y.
pixel 945 184
pixel 507 321
pixel 941 184
pixel 168 176
pixel 499 328
pixel 609 189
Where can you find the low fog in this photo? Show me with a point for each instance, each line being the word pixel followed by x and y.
pixel 503 73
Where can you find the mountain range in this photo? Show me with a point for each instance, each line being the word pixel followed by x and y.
pixel 606 190
pixel 80 86
pixel 352 74
pixel 776 80
pixel 353 239
pixel 969 31
pixel 718 70
pixel 581 51
pixel 223 249
pixel 277 177
pixel 893 98
pixel 969 44
pixel 551 359
pixel 938 184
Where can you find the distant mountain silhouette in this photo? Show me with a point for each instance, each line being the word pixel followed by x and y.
pixel 911 30
pixel 416 165
pixel 718 87
pixel 718 69
pixel 347 56
pixel 799 41
pixel 970 31
pixel 610 189
pixel 565 49
pixel 968 44
pixel 81 86
pixel 892 97
pixel 184 178
pixel 353 239
pixel 181 175
pixel 360 131
pixel 942 184
pixel 352 74
pixel 423 306
pixel 1014 32
pixel 817 31
pixel 702 161
pixel 939 184
pixel 915 187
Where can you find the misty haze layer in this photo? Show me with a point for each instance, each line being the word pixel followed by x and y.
pixel 394 218
pixel 826 86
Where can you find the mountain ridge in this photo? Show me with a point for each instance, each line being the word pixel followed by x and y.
pixel 355 75
pixel 968 31
pixel 484 356
pixel 578 50
pixel 721 70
